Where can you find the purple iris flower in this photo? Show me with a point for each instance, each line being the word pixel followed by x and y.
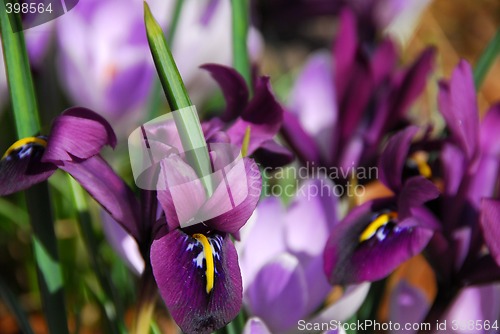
pixel 76 138
pixel 261 114
pixel 339 117
pixel 377 236
pixel 281 260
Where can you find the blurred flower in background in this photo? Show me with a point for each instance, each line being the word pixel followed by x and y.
pixel 104 56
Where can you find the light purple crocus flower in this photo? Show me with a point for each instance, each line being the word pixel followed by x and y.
pixel 104 57
pixel 105 62
pixel 281 260
pixel 343 106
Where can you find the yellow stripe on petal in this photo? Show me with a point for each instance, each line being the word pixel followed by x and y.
pixel 246 142
pixel 376 224
pixel 207 251
pixel 25 141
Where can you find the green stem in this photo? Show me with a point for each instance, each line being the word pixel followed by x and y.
pixel 184 114
pixel 241 60
pixel 27 121
pixel 486 60
pixel 112 310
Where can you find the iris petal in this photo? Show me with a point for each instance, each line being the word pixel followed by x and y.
pixel 21 167
pixel 349 261
pixel 180 269
pixel 80 133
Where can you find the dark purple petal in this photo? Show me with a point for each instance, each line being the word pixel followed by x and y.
pixel 179 267
pixel 413 82
pixel 302 143
pixel 263 114
pixel 278 293
pixel 453 162
pixel 350 260
pixel 109 190
pixel 246 187
pixel 271 154
pixel 457 104
pixel 393 158
pixel 345 51
pixel 490 137
pixel 22 168
pixel 490 223
pixel 416 191
pixel 383 61
pixel 80 133
pixel 233 87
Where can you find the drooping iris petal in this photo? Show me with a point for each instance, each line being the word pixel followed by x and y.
pixel 394 156
pixel 21 167
pixel 263 115
pixel 278 293
pixel 80 133
pixel 255 326
pixel 352 255
pixel 243 183
pixel 457 104
pixel 180 269
pixel 108 189
pixel 233 87
pixel 490 223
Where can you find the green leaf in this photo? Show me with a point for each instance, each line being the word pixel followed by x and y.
pixel 13 304
pixel 241 61
pixel 486 60
pixel 19 76
pixel 184 114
